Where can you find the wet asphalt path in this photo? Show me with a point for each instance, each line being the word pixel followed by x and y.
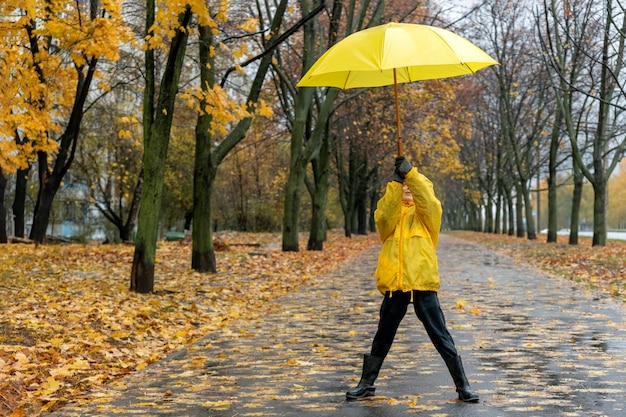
pixel 532 345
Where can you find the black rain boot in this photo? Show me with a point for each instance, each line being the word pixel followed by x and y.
pixel 371 367
pixel 455 366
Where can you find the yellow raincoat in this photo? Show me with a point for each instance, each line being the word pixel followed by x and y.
pixel 409 232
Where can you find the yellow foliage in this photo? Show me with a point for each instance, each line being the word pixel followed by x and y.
pixel 125 134
pixel 264 110
pixel 250 25
pixel 167 21
pixel 221 17
pixel 37 87
pixel 222 109
pixel 241 51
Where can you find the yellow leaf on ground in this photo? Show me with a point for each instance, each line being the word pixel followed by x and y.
pixel 217 404
pixel 49 386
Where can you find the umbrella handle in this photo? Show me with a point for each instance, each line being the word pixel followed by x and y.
pixel 395 90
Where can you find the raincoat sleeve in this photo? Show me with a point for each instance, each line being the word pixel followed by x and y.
pixel 427 206
pixel 389 210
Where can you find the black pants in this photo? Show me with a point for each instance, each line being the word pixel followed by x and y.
pixel 427 309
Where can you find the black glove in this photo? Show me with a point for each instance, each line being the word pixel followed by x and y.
pixel 403 166
pixel 396 177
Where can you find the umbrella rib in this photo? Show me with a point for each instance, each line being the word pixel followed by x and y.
pixel 468 67
pixel 345 83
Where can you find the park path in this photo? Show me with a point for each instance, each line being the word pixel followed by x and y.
pixel 533 345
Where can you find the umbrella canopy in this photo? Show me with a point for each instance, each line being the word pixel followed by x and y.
pixel 395 53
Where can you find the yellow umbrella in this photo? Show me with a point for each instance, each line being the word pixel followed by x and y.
pixel 395 53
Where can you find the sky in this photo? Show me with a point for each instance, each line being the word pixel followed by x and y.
pixel 457 8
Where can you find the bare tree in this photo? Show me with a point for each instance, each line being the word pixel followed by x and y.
pixel 592 106
pixel 523 100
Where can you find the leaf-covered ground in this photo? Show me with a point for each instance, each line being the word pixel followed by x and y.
pixel 68 322
pixel 601 268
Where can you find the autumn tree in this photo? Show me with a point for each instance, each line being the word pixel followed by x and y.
pixel 297 113
pixel 25 113
pixel 170 33
pixel 308 132
pixel 52 50
pixel 215 121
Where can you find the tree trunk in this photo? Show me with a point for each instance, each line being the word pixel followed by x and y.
pixel 497 228
pixel 293 194
pixel 504 216
pixel 373 199
pixel 203 252
pixel 154 158
pixel 362 214
pixel 48 186
pixel 351 191
pixel 519 212
pixel 576 199
pixel 509 208
pixel 531 233
pixel 356 174
pixel 552 177
pixel 19 203
pixel 602 136
pixel 552 205
pixel 342 183
pixel 298 161
pixel 489 215
pixel 3 210
pixel 600 205
pixel 319 194
pixel 126 232
pixel 301 155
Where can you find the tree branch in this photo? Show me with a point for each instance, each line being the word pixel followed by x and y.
pixel 278 41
